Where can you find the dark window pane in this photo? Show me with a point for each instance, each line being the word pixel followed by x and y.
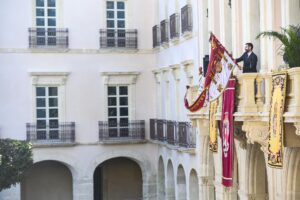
pixel 39 3
pixel 123 101
pixel 113 132
pixel 112 112
pixel 53 112
pixel 110 5
pixel 40 91
pixel 40 12
pixel 124 132
pixel 40 102
pixel 123 90
pixel 120 5
pixel 110 14
pixel 40 113
pixel 121 24
pixel 40 135
pixel 40 32
pixel 112 101
pixel 51 12
pixel 41 124
pixel 53 102
pixel 51 22
pixel 40 22
pixel 53 134
pixel 53 123
pixel 110 23
pixel 121 14
pixel 51 3
pixel 111 91
pixel 124 122
pixel 52 91
pixel 112 122
pixel 123 111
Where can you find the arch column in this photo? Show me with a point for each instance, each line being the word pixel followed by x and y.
pixel 82 188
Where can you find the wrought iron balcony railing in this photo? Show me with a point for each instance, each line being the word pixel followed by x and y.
pixel 48 38
pixel 130 131
pixel 156 36
pixel 186 19
pixel 164 31
pixel 119 38
pixel 60 134
pixel 174 26
pixel 175 133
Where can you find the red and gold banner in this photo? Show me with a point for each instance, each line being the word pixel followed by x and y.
pixel 276 130
pixel 226 128
pixel 213 126
pixel 220 66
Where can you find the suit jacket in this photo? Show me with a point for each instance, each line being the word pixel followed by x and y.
pixel 250 62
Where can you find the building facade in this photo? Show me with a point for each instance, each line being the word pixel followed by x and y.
pixel 97 87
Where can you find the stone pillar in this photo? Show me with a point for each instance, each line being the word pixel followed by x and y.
pixel 176 75
pixel 158 77
pixel 166 78
pixel 83 188
pixel 207 188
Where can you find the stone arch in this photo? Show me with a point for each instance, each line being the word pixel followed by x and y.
pixel 148 172
pixel 292 173
pixel 194 185
pixel 161 180
pixel 181 183
pixel 118 178
pixel 170 187
pixel 47 180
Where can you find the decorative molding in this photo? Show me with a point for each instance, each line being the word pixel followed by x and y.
pixel 166 74
pixel 128 78
pixel 257 132
pixel 175 71
pixel 240 135
pixel 48 78
pixel 297 126
pixel 157 75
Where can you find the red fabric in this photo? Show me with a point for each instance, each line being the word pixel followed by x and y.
pixel 227 134
pixel 216 50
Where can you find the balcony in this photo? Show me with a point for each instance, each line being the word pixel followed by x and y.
pixel 110 38
pixel 252 108
pixel 164 32
pixel 186 20
pixel 155 36
pixel 64 134
pixel 50 38
pixel 115 133
pixel 173 133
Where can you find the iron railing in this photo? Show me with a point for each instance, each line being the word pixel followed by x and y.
pixel 164 31
pixel 186 19
pixel 175 133
pixel 63 133
pixel 156 36
pixel 174 26
pixel 48 38
pixel 119 38
pixel 126 131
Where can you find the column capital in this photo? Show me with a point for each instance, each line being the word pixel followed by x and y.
pixel 175 71
pixel 157 75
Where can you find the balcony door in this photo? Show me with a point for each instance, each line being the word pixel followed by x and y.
pixel 115 23
pixel 45 22
pixel 47 126
pixel 118 111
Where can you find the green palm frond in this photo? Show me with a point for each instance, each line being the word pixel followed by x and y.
pixel 290 39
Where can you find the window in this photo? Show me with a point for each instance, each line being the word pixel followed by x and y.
pixel 46 22
pixel 47 112
pixel 118 111
pixel 115 23
pixel 186 19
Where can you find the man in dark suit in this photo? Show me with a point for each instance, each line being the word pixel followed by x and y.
pixel 249 58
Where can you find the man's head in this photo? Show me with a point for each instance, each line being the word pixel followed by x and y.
pixel 248 47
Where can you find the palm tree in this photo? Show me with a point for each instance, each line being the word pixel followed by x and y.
pixel 290 39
